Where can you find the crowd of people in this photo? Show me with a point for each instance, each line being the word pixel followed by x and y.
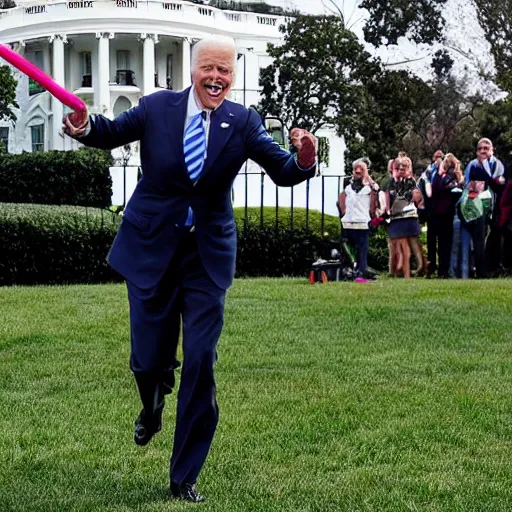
pixel 467 215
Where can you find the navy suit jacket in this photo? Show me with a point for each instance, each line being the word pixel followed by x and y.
pixel 150 230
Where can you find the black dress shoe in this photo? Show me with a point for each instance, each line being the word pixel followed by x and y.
pixel 146 428
pixel 187 492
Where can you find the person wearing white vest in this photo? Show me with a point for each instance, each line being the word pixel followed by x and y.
pixel 357 204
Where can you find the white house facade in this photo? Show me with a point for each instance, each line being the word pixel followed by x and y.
pixel 112 52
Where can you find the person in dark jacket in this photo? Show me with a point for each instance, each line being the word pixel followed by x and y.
pixel 176 246
pixel 445 192
pixel 425 187
pixel 484 173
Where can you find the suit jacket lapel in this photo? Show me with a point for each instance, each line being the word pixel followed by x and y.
pixel 175 122
pixel 221 128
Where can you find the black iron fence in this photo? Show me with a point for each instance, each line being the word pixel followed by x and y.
pixel 317 194
pixel 297 197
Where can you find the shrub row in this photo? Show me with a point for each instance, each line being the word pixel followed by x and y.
pixel 44 244
pixel 57 177
pixel 55 244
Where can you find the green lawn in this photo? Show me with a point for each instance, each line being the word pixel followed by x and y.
pixel 391 396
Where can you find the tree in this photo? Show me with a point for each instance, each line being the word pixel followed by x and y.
pixel 317 75
pixel 494 122
pixel 448 115
pixel 7 94
pixel 420 21
pixel 321 75
pixel 393 100
pixel 404 113
pixel 495 18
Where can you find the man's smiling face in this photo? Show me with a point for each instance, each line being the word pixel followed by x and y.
pixel 213 75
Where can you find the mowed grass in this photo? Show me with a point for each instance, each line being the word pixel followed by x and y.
pixel 391 396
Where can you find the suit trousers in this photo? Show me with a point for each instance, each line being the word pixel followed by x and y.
pixel 186 294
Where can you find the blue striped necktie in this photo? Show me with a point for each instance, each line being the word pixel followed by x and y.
pixel 194 147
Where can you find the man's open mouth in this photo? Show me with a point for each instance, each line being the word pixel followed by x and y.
pixel 214 89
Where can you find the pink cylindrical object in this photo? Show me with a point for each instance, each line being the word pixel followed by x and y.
pixel 48 83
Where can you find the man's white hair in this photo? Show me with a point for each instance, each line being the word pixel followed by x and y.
pixel 213 41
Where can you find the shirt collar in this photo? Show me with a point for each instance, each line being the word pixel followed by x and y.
pixel 192 107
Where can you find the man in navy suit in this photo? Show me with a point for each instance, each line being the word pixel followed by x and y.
pixel 176 246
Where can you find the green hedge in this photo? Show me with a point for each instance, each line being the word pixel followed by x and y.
pixel 55 244
pixel 57 177
pixel 282 252
pixel 331 226
pixel 43 244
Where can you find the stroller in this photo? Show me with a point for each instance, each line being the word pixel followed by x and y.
pixel 342 266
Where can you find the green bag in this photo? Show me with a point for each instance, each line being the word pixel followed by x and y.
pixel 472 208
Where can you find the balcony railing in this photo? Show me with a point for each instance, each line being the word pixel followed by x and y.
pixel 125 77
pixel 22 17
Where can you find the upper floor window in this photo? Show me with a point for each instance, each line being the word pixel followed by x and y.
pixel 85 58
pixel 123 59
pixel 85 62
pixel 168 76
pixel 36 57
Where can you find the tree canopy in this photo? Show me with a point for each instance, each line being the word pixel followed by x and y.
pixel 420 21
pixel 495 18
pixel 322 75
pixel 317 74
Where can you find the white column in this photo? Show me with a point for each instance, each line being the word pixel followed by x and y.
pixel 101 89
pixel 185 63
pixel 58 75
pixel 149 63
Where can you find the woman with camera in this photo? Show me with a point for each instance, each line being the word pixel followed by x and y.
pixel 403 199
pixel 357 203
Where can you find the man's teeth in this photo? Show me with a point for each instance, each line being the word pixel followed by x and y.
pixel 214 88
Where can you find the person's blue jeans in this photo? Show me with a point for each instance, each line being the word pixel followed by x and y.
pixel 359 239
pixel 455 260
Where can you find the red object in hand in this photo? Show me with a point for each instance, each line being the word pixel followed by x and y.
pixel 376 222
pixel 307 153
pixel 43 80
